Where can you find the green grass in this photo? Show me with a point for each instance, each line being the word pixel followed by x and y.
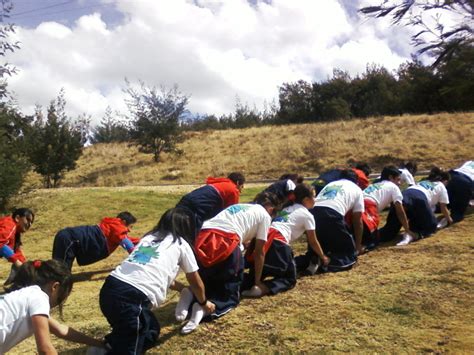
pixel 396 300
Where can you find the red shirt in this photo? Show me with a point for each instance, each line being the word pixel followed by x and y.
pixel 114 231
pixel 8 236
pixel 226 188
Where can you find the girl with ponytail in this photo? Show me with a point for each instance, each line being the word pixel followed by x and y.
pixel 37 287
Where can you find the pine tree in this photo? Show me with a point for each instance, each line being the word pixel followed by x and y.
pixel 55 143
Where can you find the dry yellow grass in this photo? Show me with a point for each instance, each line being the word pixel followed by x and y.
pixel 267 152
pixel 416 299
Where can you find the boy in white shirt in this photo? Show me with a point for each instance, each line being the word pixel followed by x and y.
pixel 419 202
pixel 334 201
pixel 379 196
pixel 292 223
pixel 218 249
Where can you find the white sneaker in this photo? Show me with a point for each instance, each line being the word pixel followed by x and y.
pixel 442 224
pixel 254 292
pixel 189 327
pixel 471 203
pixel 407 239
pixel 313 267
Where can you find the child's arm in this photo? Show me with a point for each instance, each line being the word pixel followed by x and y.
pixel 314 244
pixel 444 210
pixel 41 332
pixel 10 255
pixel 127 245
pixel 402 218
pixel 67 333
pixel 197 287
pixel 259 258
pixel 358 228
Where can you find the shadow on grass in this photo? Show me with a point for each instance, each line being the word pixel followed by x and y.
pixel 87 275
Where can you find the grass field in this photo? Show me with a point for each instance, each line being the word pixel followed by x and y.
pixel 415 299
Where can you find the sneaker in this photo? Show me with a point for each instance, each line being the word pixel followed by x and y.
pixel 313 266
pixel 254 292
pixel 189 327
pixel 407 239
pixel 442 224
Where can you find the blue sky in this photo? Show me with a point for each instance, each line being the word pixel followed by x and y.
pixel 215 51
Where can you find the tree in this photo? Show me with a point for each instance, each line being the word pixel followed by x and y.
pixel 55 142
pixel 433 37
pixel 419 88
pixel 376 93
pixel 295 102
pixel 13 162
pixel 245 116
pixel 457 80
pixel 110 130
pixel 13 165
pixel 6 45
pixel 155 117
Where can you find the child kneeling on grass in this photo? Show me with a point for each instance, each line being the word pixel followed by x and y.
pixel 279 264
pixel 218 248
pixel 89 244
pixel 24 310
pixel 140 283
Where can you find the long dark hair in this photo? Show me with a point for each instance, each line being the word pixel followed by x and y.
pixel 437 174
pixel 41 273
pixel 303 191
pixel 176 221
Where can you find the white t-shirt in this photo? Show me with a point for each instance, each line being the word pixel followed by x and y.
pixel 435 192
pixel 406 177
pixel 152 266
pixel 342 196
pixel 467 169
pixel 16 310
pixel 384 193
pixel 247 220
pixel 293 221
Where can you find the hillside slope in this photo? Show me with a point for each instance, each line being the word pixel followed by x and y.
pixel 267 152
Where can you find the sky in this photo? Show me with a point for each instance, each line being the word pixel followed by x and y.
pixel 217 52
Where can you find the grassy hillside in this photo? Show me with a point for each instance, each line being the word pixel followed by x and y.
pixel 396 300
pixel 267 152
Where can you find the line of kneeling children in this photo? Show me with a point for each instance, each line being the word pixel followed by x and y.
pixel 226 249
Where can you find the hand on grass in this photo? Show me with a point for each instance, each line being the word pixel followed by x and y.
pixel 209 307
pixel 325 260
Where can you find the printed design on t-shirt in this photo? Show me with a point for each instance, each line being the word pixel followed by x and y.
pixel 330 192
pixel 372 188
pixel 427 185
pixel 234 209
pixel 143 254
pixel 283 216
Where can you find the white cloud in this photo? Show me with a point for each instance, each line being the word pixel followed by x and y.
pixel 214 51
